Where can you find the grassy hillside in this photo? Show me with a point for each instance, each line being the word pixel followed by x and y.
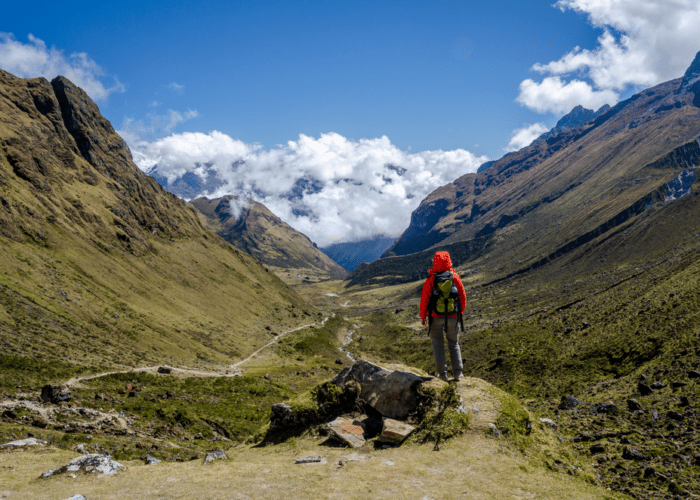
pixel 100 265
pixel 266 237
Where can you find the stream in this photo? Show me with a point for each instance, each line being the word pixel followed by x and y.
pixel 348 339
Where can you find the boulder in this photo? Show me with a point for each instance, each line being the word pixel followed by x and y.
pixel 549 423
pixel 55 394
pixel 164 370
pixel 607 407
pixel 634 405
pixel 394 431
pixel 215 455
pixel 568 402
pixel 88 464
pixel 649 472
pixel 348 431
pixel 597 448
pixel 151 459
pixel 644 389
pixel 393 394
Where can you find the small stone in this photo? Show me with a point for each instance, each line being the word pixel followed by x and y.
pixel 632 454
pixel 308 460
pixel 76 497
pixel 675 416
pixel 644 389
pixel 568 402
pixel 164 370
pixel 338 362
pixel 685 401
pixel 654 416
pixel 677 385
pixel 55 394
pixel 150 459
pixel 649 472
pixel 348 431
pixel 494 430
pixel 549 423
pixel 215 455
pixel 597 448
pixel 394 431
pixel 694 374
pixel 607 407
pixel 634 405
pixel 267 376
pixel 657 386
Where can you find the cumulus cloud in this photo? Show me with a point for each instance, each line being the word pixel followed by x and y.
pixel 155 126
pixel 177 88
pixel 330 188
pixel 33 59
pixel 524 136
pixel 642 44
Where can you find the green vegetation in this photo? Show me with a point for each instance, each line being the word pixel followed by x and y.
pixel 440 415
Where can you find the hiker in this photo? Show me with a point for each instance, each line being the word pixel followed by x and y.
pixel 442 304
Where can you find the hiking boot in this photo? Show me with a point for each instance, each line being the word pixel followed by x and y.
pixel 457 375
pixel 443 376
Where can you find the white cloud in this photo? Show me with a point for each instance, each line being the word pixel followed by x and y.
pixel 177 88
pixel 643 43
pixel 330 188
pixel 156 126
pixel 35 59
pixel 523 137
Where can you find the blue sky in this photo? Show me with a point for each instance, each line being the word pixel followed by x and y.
pixel 479 78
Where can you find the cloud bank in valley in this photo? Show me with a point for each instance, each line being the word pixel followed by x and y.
pixel 331 188
pixel 642 44
pixel 33 59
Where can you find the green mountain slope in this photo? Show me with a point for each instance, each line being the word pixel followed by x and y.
pixel 99 263
pixel 251 227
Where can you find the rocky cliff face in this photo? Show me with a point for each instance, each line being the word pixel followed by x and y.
pixel 251 227
pixel 99 258
pixel 545 196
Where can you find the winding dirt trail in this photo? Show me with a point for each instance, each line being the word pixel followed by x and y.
pixel 233 371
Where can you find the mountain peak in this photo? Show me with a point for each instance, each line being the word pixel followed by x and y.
pixel 692 74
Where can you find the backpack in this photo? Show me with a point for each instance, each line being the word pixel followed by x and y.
pixel 444 300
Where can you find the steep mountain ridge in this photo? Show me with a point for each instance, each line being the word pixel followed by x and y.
pixel 545 198
pixel 252 228
pixel 100 264
pixel 353 253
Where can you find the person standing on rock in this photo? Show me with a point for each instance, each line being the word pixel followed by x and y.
pixel 442 304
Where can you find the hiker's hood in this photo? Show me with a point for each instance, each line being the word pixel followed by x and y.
pixel 441 262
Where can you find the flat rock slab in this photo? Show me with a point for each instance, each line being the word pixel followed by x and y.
pixel 88 464
pixel 309 460
pixel 23 443
pixel 393 394
pixel 348 431
pixel 215 455
pixel 394 431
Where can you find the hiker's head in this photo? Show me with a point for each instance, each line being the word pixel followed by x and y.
pixel 442 262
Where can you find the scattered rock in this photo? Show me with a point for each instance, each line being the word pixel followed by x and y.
pixel 694 374
pixel 568 402
pixel 649 472
pixel 88 464
pixel 393 394
pixel 165 370
pixel 399 310
pixel 677 385
pixel 675 416
pixel 644 389
pixel 632 454
pixel 151 459
pixel 394 431
pixel 654 416
pixel 494 430
pixel 607 407
pixel 634 405
pixel 55 394
pixel 77 497
pixel 685 401
pixel 23 443
pixel 267 377
pixel 549 423
pixel 309 460
pixel 338 362
pixel 657 386
pixel 215 455
pixel 347 431
pixel 597 448
pixel 9 414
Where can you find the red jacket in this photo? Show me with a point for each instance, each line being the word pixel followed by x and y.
pixel 441 262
